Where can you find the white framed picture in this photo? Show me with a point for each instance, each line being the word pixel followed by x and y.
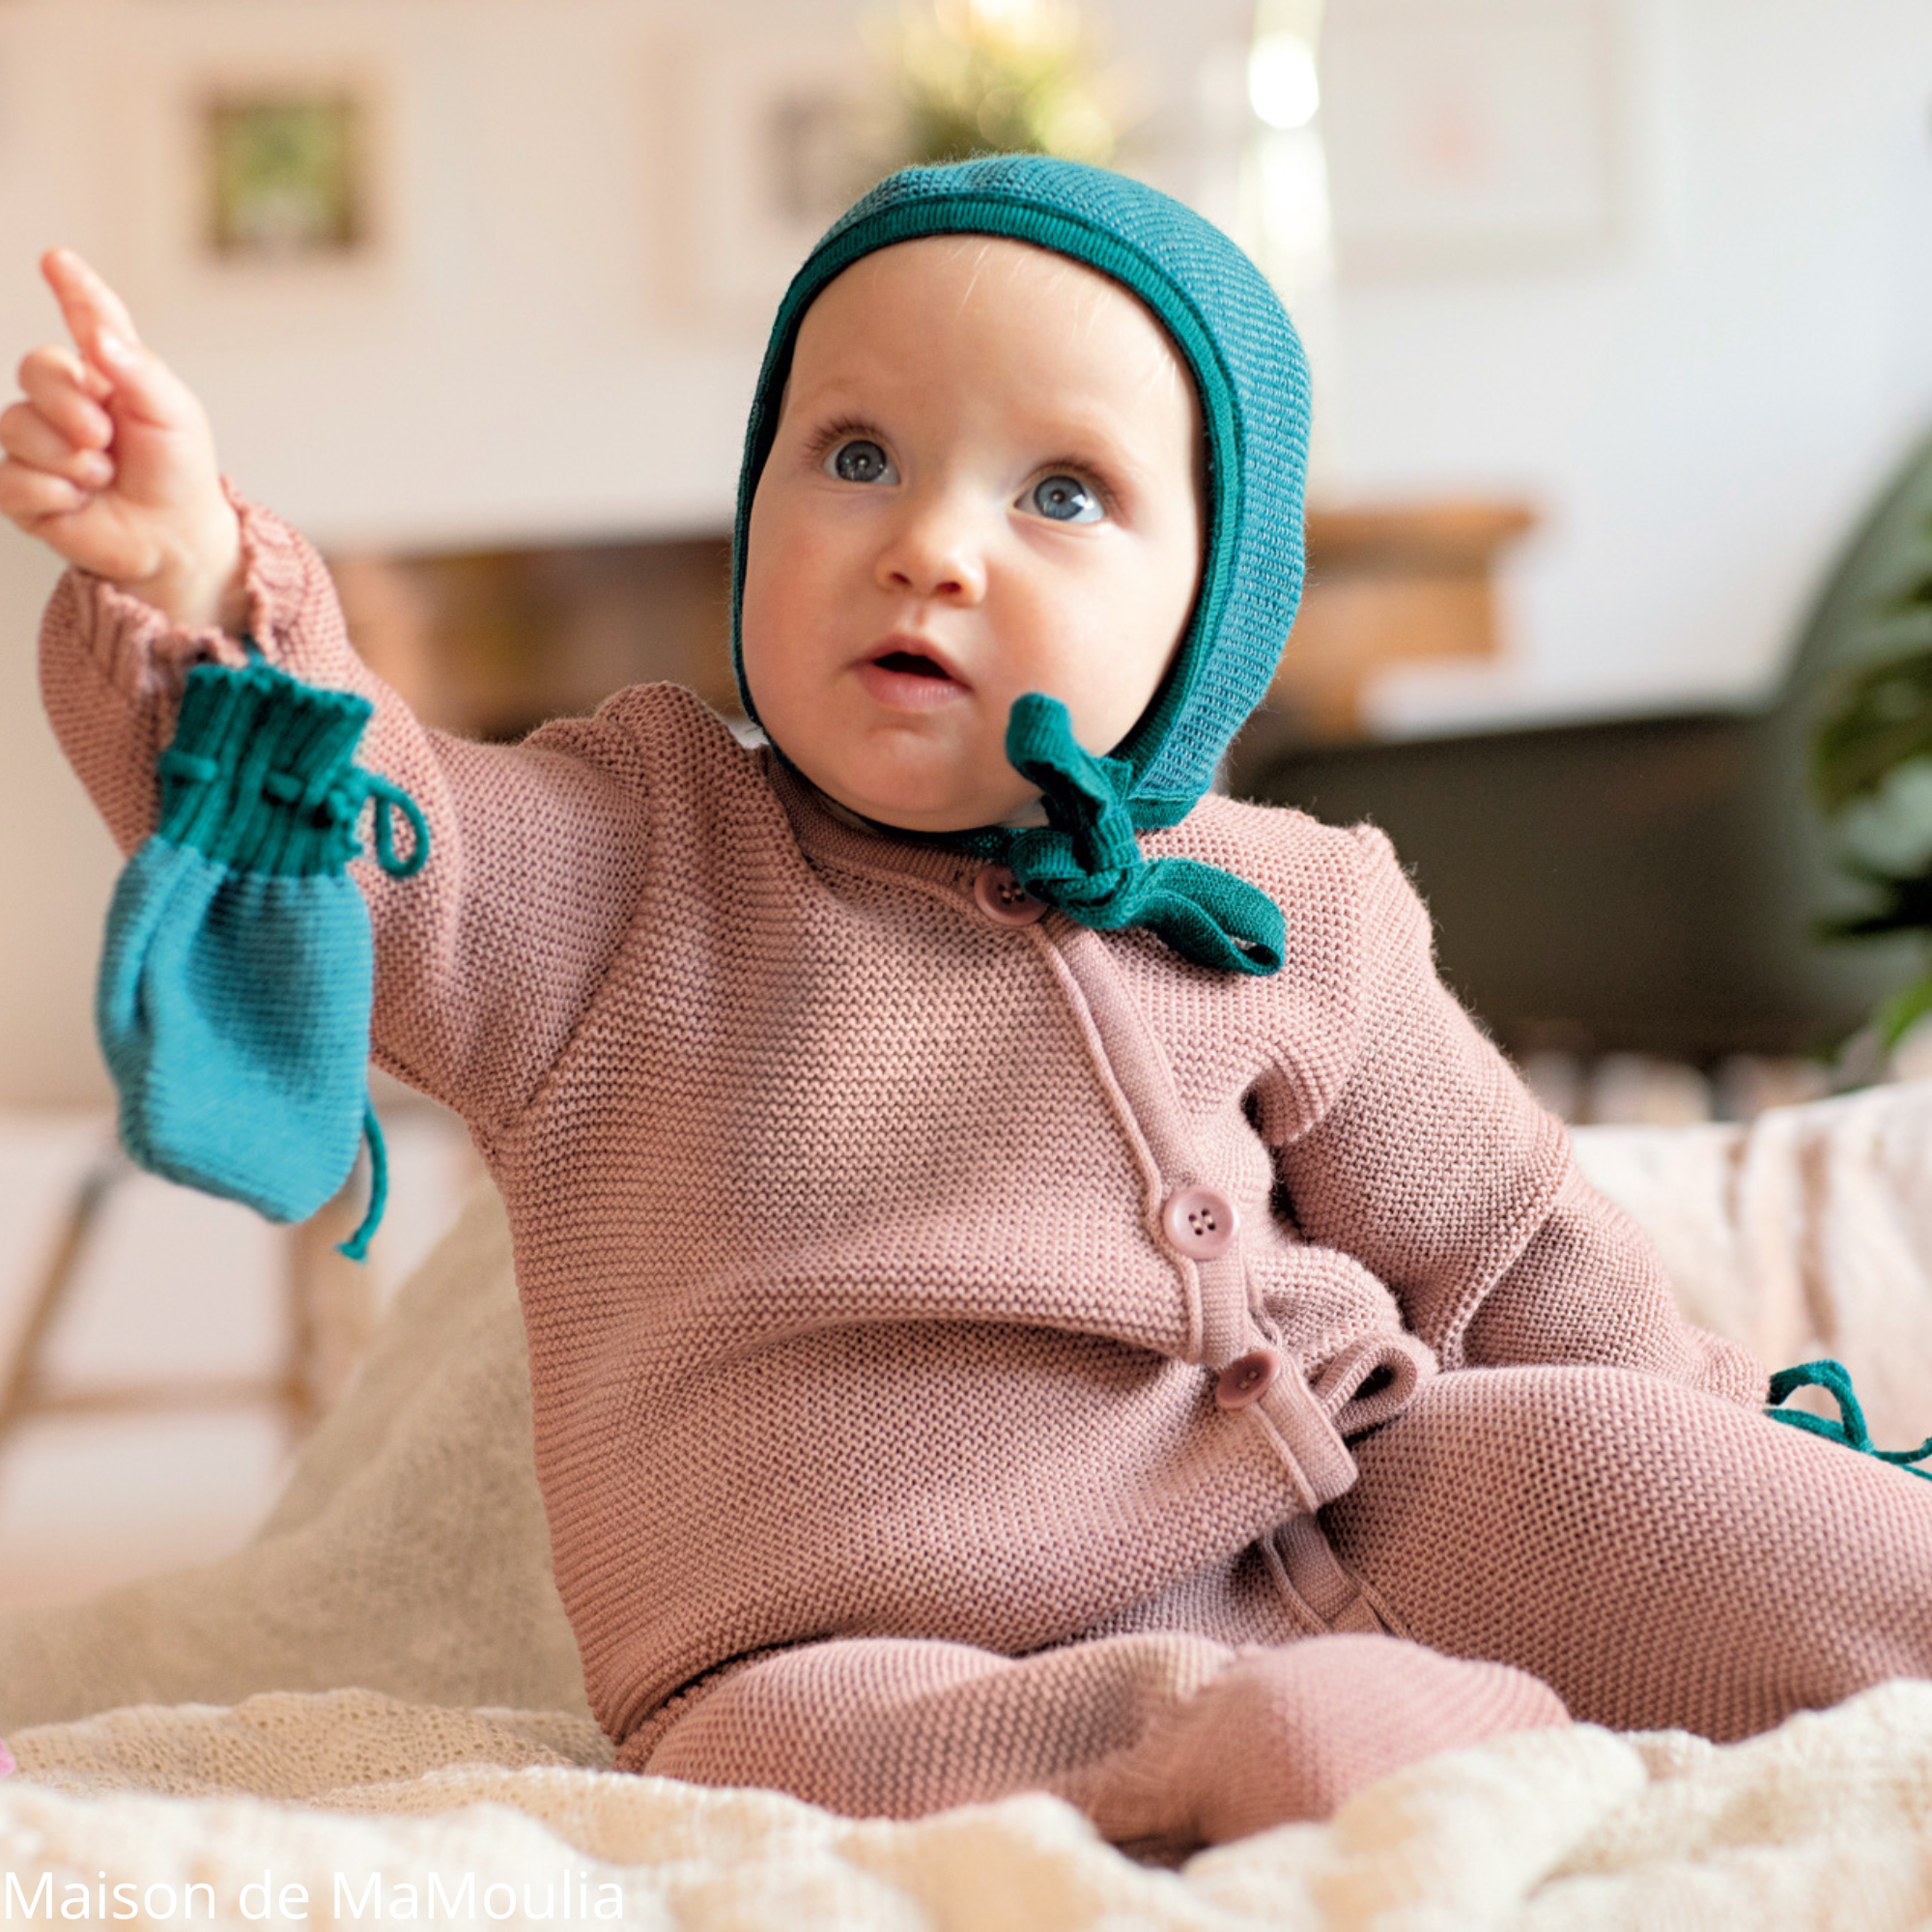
pixel 259 192
pixel 755 146
pixel 1482 137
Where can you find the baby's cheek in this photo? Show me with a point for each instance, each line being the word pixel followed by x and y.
pixel 1114 676
pixel 773 629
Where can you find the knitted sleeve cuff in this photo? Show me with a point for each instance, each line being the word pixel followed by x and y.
pixel 144 656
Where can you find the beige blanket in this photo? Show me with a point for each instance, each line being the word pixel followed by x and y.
pixel 408 1558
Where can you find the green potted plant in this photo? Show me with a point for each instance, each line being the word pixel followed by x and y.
pixel 1871 773
pixel 1000 77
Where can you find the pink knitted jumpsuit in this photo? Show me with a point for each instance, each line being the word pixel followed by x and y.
pixel 971 1351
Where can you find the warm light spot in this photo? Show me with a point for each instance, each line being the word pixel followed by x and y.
pixel 1282 83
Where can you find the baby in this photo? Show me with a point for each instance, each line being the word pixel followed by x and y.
pixel 1030 1279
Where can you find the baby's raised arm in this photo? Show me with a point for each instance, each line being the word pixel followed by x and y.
pixel 486 960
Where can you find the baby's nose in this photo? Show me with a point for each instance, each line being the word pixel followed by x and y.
pixel 934 551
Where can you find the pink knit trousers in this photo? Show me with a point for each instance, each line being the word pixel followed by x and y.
pixel 1661 1557
pixel 1648 1554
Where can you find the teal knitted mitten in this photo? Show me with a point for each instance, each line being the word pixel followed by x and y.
pixel 236 981
pixel 1850 1428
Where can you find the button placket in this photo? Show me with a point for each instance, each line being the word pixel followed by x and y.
pixel 1220 1323
pixel 1201 1225
pixel 1288 1409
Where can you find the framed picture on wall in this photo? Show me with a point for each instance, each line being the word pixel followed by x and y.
pixel 259 192
pixel 753 148
pixel 286 172
pixel 1473 137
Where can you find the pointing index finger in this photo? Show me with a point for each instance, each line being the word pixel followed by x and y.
pixel 88 305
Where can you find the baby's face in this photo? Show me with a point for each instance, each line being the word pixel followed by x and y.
pixel 985 481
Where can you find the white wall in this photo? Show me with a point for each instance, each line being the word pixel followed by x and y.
pixel 1702 411
pixel 57 867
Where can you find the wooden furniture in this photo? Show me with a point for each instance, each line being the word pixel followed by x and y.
pixel 331 1310
pixel 489 644
pixel 1386 586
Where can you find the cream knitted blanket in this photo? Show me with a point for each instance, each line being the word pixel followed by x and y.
pixel 407 1557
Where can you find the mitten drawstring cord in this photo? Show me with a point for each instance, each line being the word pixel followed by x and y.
pixel 389 800
pixel 330 800
pixel 357 1246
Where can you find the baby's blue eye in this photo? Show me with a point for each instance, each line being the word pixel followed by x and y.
pixel 861 461
pixel 1065 499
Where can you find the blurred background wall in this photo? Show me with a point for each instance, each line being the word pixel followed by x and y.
pixel 1694 381
pixel 1700 409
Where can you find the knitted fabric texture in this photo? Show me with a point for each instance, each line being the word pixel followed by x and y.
pixel 1167 1742
pixel 236 979
pixel 1656 1556
pixel 851 1231
pixel 1252 381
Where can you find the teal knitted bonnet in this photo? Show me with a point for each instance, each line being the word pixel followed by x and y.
pixel 1252 381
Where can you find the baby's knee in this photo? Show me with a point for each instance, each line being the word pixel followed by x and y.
pixel 1544 1437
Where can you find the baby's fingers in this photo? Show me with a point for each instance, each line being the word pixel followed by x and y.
pixel 145 387
pixel 29 438
pixel 67 393
pixel 142 384
pixel 30 496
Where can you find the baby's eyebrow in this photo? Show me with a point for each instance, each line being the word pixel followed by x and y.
pixel 1095 443
pixel 836 396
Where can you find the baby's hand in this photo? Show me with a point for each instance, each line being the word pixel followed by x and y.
pixel 110 461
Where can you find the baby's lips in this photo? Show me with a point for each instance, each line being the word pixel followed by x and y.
pixel 910 644
pixel 900 687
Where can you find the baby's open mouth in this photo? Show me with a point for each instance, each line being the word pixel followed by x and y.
pixel 912 664
pixel 903 677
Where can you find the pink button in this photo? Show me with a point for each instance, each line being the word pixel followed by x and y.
pixel 1004 900
pixel 1247 1377
pixel 1199 1221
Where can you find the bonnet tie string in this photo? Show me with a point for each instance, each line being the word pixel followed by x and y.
pixel 1087 862
pixel 1835 1380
